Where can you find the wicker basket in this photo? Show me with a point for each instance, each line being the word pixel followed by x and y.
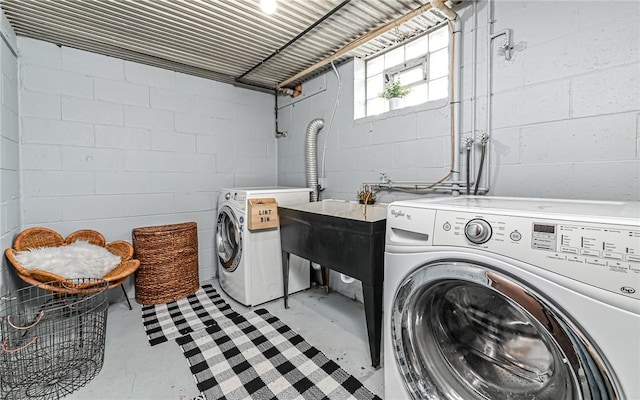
pixel 168 257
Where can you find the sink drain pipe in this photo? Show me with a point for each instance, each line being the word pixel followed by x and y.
pixel 311 157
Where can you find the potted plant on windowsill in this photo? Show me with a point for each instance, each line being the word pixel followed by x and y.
pixel 394 92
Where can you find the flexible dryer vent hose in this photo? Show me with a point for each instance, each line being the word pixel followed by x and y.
pixel 311 156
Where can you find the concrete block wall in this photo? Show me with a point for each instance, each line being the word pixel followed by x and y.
pixel 111 145
pixel 565 112
pixel 10 220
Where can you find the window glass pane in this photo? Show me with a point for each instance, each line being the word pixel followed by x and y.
pixel 417 47
pixel 439 64
pixel 439 39
pixel 394 57
pixel 376 106
pixel 418 95
pixel 439 89
pixel 375 66
pixel 374 86
pixel 412 75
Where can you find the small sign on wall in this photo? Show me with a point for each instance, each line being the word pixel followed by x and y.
pixel 263 214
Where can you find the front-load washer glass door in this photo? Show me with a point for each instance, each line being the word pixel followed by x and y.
pixel 228 239
pixel 466 331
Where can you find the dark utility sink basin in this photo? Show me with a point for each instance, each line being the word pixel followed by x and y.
pixel 339 235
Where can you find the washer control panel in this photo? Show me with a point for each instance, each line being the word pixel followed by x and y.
pixel 602 255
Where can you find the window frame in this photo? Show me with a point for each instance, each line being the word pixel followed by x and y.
pixel 406 65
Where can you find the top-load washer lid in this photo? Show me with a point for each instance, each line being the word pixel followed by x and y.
pixel 465 331
pixel 228 239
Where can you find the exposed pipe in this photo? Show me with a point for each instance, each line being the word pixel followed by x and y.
pixel 311 156
pixel 278 132
pixel 359 41
pixel 440 6
pixel 298 36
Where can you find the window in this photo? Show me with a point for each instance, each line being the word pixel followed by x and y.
pixel 421 65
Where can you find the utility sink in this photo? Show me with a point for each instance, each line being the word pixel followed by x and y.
pixel 346 237
pixel 345 209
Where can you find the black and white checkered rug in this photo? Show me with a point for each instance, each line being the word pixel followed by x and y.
pixel 163 322
pixel 255 355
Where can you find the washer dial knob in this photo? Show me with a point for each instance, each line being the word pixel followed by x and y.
pixel 478 231
pixel 227 196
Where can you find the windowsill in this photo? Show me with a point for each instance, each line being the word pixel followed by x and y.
pixel 430 105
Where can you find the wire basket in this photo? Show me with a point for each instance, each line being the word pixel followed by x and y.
pixel 52 342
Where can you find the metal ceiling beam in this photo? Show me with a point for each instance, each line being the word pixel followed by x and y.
pixel 298 36
pixel 361 40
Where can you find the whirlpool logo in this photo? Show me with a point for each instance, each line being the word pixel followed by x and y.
pixel 627 290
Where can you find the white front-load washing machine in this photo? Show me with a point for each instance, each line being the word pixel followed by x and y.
pixel 250 262
pixel 512 298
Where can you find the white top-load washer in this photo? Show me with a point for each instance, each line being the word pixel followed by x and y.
pixel 250 263
pixel 512 298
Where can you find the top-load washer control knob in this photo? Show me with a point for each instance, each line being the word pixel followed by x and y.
pixel 478 231
pixel 227 196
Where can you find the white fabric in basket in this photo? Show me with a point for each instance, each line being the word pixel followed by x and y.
pixel 79 259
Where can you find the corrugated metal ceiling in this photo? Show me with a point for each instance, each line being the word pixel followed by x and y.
pixel 225 40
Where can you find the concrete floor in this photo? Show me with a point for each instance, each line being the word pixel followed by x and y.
pixel 135 370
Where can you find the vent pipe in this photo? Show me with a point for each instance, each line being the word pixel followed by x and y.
pixel 311 156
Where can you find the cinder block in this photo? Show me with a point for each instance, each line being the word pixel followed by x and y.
pixel 48 131
pixel 55 81
pixel 91 64
pixel 433 123
pixel 148 75
pixel 183 102
pixel 172 141
pixel 394 129
pixel 139 117
pixel 194 123
pixel 57 183
pixel 40 210
pixel 531 104
pixel 246 149
pixel 152 161
pixel 614 90
pixel 122 137
pixel 9 185
pixel 92 159
pixel 11 217
pixel 340 160
pixel 9 63
pixel 223 145
pixel 533 22
pixel 39 105
pixel 504 145
pixel 9 150
pixel 190 202
pixel 121 92
pixel 92 111
pixel 419 153
pixel 9 125
pixel 122 182
pixel 223 109
pixel 261 165
pixel 359 136
pixel 586 51
pixel 76 208
pixel 378 158
pixel 200 86
pixel 38 52
pixel 149 204
pixel 190 162
pixel 40 157
pixel 172 182
pixel 10 93
pixel 590 14
pixel 611 137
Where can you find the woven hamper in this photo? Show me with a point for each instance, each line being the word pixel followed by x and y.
pixel 168 257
